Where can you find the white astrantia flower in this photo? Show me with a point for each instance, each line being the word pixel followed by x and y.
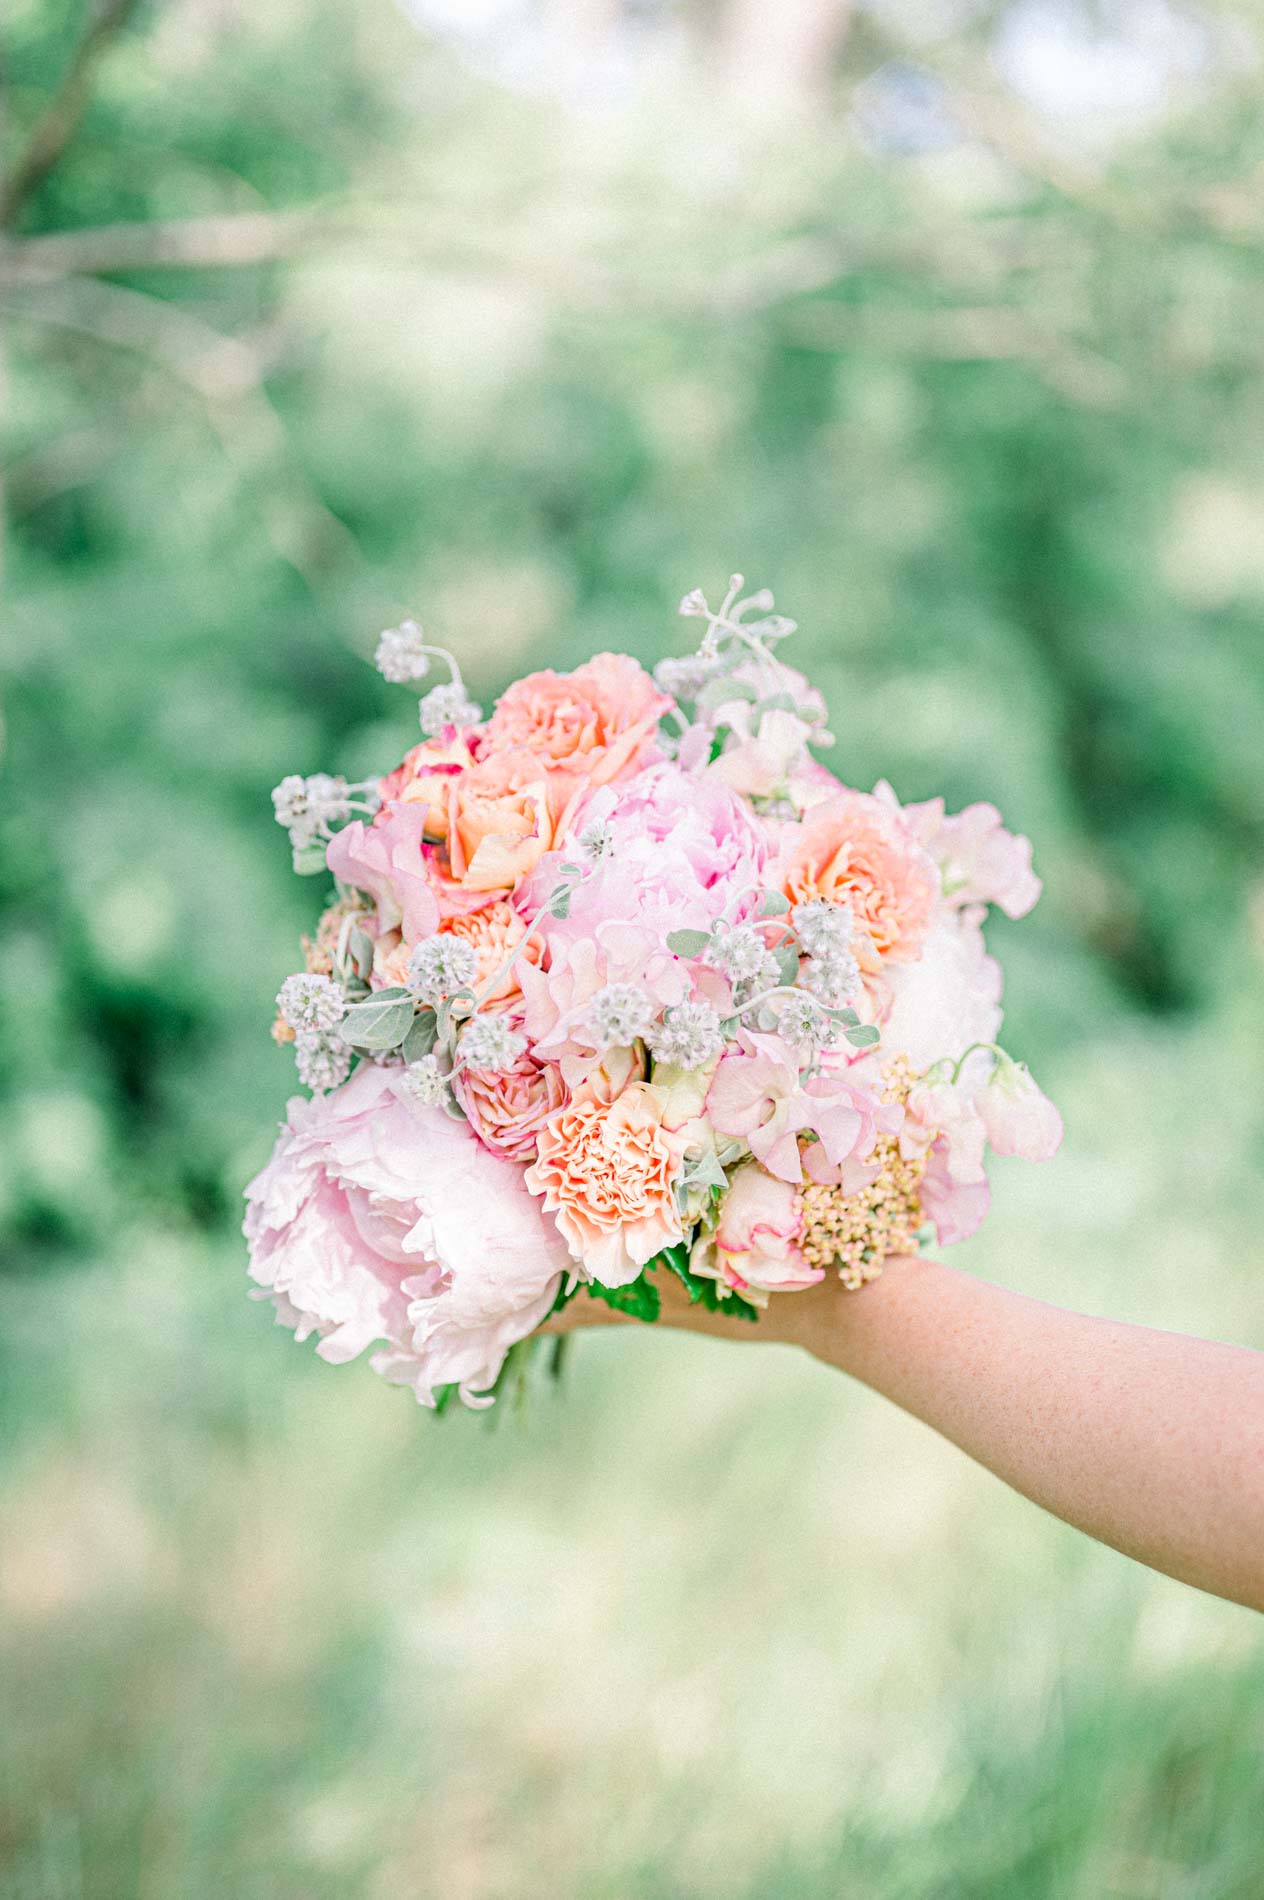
pixel 401 654
pixel 488 1042
pixel 618 1015
pixel 834 977
pixel 688 1037
pixel 308 1001
pixel 742 955
pixel 802 1022
pixel 307 806
pixel 448 705
pixel 441 965
pixel 822 928
pixel 595 841
pixel 425 1081
pixel 323 1059
pixel 685 678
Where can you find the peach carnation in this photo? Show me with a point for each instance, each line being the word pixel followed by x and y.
pixel 606 1172
pixel 495 930
pixel 599 720
pixel 854 850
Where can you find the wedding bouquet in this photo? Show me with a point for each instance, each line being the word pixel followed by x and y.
pixel 618 983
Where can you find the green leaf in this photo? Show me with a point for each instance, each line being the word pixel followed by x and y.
pixel 701 1290
pixel 774 904
pixel 360 952
pixel 420 1039
pixel 864 1037
pixel 640 1298
pixel 787 957
pixel 722 691
pixel 311 861
pixel 688 943
pixel 443 1397
pixel 381 1022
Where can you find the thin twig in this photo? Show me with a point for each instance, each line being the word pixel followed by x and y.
pixel 54 131
pixel 226 374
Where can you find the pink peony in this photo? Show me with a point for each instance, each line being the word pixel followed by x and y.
pixel 754 1249
pixel 607 1173
pixel 508 1108
pixel 679 849
pixel 854 849
pixel 758 1097
pixel 598 722
pixel 380 1219
pixel 1019 1118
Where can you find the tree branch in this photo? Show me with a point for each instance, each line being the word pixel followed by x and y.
pixel 54 131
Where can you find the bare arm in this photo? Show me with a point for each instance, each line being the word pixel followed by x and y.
pixel 1150 1441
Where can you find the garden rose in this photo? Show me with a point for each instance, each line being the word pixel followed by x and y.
pixel 853 849
pixel 599 720
pixel 508 1108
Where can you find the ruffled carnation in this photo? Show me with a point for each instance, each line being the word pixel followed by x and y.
pixel 606 1172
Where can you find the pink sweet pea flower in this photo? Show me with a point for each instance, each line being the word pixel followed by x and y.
pixel 754 1249
pixel 1019 1118
pixel 979 861
pixel 758 1097
pixel 389 861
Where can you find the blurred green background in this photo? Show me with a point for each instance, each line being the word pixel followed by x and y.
pixel 944 320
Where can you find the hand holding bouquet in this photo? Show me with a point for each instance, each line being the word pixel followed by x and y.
pixel 623 983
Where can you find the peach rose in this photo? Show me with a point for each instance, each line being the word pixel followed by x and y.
pixel 599 720
pixel 606 1173
pixel 502 816
pixel 508 1108
pixel 854 850
pixel 425 775
pixel 495 930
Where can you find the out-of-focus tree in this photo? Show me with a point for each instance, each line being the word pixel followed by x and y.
pixel 316 313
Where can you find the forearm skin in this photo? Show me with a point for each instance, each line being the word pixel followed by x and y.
pixel 1150 1441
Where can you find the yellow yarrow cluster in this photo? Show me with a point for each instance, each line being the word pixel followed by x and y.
pixel 857 1232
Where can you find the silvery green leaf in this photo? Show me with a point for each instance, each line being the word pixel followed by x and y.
pixel 843 1016
pixel 864 1037
pixel 722 691
pixel 420 1039
pixel 559 905
pixel 787 957
pixel 381 1022
pixel 688 943
pixel 774 904
pixel 310 861
pixel 360 952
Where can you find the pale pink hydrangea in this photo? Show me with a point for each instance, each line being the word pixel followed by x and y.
pixel 360 1231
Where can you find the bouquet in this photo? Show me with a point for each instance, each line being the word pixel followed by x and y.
pixel 619 983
